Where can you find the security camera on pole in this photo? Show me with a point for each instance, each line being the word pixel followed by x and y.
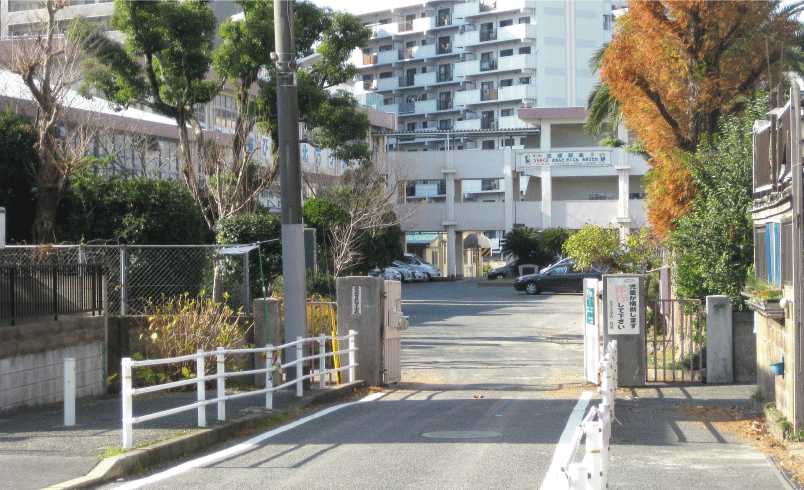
pixel 293 269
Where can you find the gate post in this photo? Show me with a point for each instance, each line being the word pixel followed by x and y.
pixel 360 308
pixel 624 312
pixel 719 348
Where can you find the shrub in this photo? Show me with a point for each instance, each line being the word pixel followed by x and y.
pixel 180 326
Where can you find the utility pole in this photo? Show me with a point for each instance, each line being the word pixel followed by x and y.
pixel 293 269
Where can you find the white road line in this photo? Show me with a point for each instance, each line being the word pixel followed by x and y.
pixel 239 448
pixel 563 448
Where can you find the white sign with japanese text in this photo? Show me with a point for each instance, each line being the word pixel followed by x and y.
pixel 622 301
pixel 357 300
pixel 565 158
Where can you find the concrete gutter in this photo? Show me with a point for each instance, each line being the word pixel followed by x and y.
pixel 159 452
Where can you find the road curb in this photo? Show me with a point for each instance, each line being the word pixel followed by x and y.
pixel 162 451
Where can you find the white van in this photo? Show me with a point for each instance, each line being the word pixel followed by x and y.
pixel 417 263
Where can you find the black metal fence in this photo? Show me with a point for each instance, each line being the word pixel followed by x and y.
pixel 45 290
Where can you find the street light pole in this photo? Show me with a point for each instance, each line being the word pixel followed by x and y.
pixel 293 269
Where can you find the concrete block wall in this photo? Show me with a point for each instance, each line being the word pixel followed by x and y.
pixel 32 360
pixel 38 379
pixel 773 339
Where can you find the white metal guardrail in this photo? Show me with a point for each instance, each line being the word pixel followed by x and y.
pixel 593 470
pixel 220 376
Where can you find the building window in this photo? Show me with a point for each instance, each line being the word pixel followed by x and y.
pixel 506 22
pixel 424 124
pixel 488 145
pixel 445 124
pixel 412 126
pixel 601 196
pixel 524 20
pixel 608 22
pixel 524 80
pixel 524 50
pixel 506 52
pixel 507 82
pixel 388 101
pixel 386 74
pixel 507 142
pixel 506 112
pixel 387 47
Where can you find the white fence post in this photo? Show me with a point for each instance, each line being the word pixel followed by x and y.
pixel 592 457
pixel 69 392
pixel 221 385
pixel 299 370
pixel 322 348
pixel 352 356
pixel 269 377
pixel 200 388
pixel 126 393
pixel 605 437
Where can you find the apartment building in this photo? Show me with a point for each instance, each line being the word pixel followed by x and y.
pixel 490 98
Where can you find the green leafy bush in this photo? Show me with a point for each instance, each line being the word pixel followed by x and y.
pixel 138 211
pixel 180 326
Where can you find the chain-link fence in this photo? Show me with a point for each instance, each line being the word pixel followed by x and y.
pixel 138 272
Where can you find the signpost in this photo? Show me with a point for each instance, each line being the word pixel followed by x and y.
pixel 624 317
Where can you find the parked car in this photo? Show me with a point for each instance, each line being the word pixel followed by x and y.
pixel 417 276
pixel 405 272
pixel 508 270
pixel 417 263
pixel 559 277
pixel 387 274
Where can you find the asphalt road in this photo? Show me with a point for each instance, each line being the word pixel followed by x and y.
pixel 477 407
pixel 490 378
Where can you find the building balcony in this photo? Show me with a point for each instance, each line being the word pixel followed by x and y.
pixel 512 122
pixel 424 79
pixel 391 56
pixel 418 25
pixel 444 48
pixel 517 32
pixel 383 30
pixel 521 62
pixel 387 84
pixel 511 93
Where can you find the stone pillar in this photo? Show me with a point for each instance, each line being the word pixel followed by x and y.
pixel 361 308
pixel 267 330
pixel 719 335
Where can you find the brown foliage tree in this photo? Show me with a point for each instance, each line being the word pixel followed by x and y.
pixel 675 67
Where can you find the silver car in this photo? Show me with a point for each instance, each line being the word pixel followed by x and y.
pixel 417 263
pixel 417 276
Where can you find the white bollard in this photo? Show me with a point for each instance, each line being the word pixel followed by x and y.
pixel 352 355
pixel 201 388
pixel 69 392
pixel 299 370
pixel 221 359
pixel 125 373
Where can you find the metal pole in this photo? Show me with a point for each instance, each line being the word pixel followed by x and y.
pixel 290 176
